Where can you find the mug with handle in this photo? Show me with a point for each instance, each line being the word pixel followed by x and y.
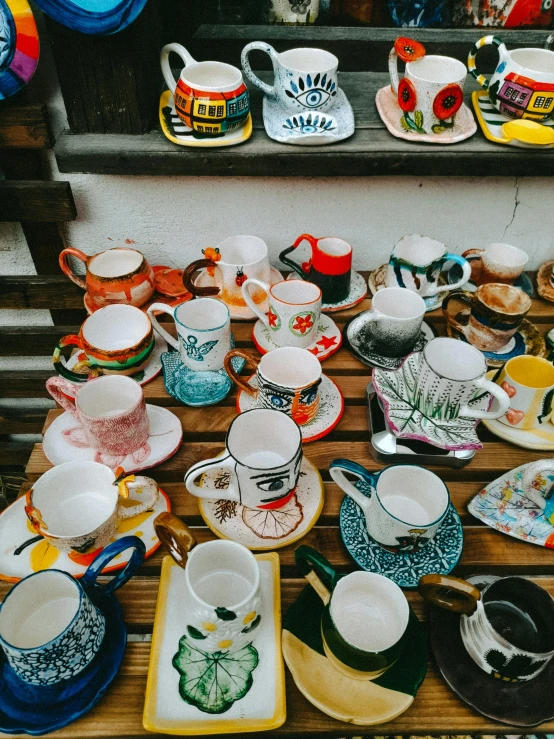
pixel 533 483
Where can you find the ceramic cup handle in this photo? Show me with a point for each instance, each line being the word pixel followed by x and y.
pixel 146 487
pixel 393 71
pixel 497 392
pixel 530 474
pixel 164 61
pixel 247 69
pixel 338 467
pixel 66 269
pixel 237 379
pixel 450 593
pixel 188 278
pixel 164 308
pixel 106 555
pixel 176 536
pixel 471 65
pixel 466 274
pixel 61 367
pixel 248 298
pixel 475 258
pixel 63 393
pixel 450 317
pixel 300 269
pixel 225 463
pixel 317 571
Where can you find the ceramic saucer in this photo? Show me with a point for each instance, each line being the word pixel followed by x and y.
pixel 526 340
pixel 329 412
pixel 392 116
pixel 26 710
pixel 169 281
pixel 358 291
pixel 524 282
pixel 273 529
pixel 525 703
pixel 197 388
pixel 397 390
pixel 358 339
pixel 328 339
pixel 165 438
pixel 440 555
pixel 361 702
pixel 497 128
pixel 378 280
pixel 544 288
pixel 239 312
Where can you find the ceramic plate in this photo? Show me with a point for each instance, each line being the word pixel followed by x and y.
pixel 440 555
pixel 524 282
pixel 526 340
pixel 377 281
pixel 239 312
pixel 328 339
pixel 361 702
pixel 544 288
pixel 392 116
pixel 358 291
pixel 169 281
pixel 165 438
pixel 259 530
pixel 197 389
pixel 19 46
pixel 329 412
pixel 491 122
pixel 260 709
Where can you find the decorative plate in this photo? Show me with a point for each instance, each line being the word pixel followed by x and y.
pixel 169 281
pixel 358 291
pixel 19 46
pixel 93 17
pixel 378 280
pixel 222 701
pixel 527 340
pixel 239 312
pixel 544 287
pixel 524 282
pixel 328 339
pixel 261 530
pixel 496 127
pixel 439 555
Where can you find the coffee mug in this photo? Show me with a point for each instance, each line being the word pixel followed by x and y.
pixel 77 506
pixel 533 483
pixel 329 266
pixel 261 462
pixel 495 314
pixel 50 627
pixel 522 85
pixel 116 340
pixel 416 262
pixel 394 320
pixel 110 410
pixel 294 311
pixel 203 332
pixel 364 619
pixel 289 13
pixel 407 505
pixel 496 263
pixel 119 275
pixel 287 380
pixel 529 383
pixel 507 628
pixel 210 97
pixel 305 79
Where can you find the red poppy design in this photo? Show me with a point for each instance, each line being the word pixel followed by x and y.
pixel 448 102
pixel 408 50
pixel 303 324
pixel 407 97
pixel 272 318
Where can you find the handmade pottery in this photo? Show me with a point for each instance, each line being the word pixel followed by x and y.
pixel 523 281
pixel 293 12
pixel 101 19
pixel 168 281
pixel 210 97
pixel 394 321
pixel 529 382
pixel 496 263
pixel 19 52
pixel 535 475
pixel 377 280
pixel 326 337
pixel 526 340
pixel 238 312
pixel 520 132
pixel 357 293
pixel 432 13
pixel 499 13
pixel 545 281
pixel 157 296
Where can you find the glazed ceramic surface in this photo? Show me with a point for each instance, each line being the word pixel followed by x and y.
pixel 519 132
pixel 545 283
pixel 499 13
pixel 357 292
pixel 326 338
pixel 378 280
pixel 496 263
pixel 19 47
pixel 526 340
pixel 95 19
pixel 293 12
pixel 238 312
pixel 523 281
pixel 529 382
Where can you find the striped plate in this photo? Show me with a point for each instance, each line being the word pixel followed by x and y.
pixel 491 122
pixel 19 46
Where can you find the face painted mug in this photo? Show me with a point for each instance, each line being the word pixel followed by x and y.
pixel 496 263
pixel 394 320
pixel 529 383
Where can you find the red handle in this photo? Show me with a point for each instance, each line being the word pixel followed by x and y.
pixel 66 269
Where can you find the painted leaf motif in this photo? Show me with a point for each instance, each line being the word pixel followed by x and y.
pixel 418 118
pixel 141 454
pixel 274 524
pixel 438 129
pixel 405 125
pixel 225 615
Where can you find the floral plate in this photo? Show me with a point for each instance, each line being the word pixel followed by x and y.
pixel 358 291
pixel 378 280
pixel 526 340
pixel 327 341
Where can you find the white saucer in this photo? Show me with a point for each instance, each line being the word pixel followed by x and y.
pixel 238 313
pixel 538 439
pixel 358 291
pixel 328 338
pixel 165 438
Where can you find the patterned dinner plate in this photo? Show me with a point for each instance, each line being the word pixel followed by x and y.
pixel 327 341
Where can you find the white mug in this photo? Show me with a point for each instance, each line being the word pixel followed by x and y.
pixel 496 263
pixel 395 319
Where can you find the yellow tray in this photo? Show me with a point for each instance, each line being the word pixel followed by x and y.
pixel 521 133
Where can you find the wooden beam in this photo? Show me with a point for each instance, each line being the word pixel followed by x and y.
pixel 24 127
pixel 36 201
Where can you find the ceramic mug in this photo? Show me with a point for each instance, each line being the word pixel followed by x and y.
pixel 210 97
pixel 407 505
pixel 289 13
pixel 116 340
pixel 529 383
pixel 533 483
pixel 329 267
pixel 507 628
pixel 394 320
pixel 416 262
pixel 496 263
pixel 294 311
pixel 495 314
pixel 364 619
pixel 77 506
pixel 305 79
pixel 260 464
pixel 231 264
pixel 50 627
pixel 119 275
pixel 110 410
pixel 203 332
pixel 522 85
pixel 287 378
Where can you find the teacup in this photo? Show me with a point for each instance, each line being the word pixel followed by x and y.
pixel 529 383
pixel 117 340
pixel 416 262
pixel 305 79
pixel 119 275
pixel 77 506
pixel 203 332
pixel 294 311
pixel 507 628
pixel 364 619
pixel 288 380
pixel 329 266
pixel 210 97
pixel 394 320
pixel 496 263
pixel 260 464
pixel 495 314
pixel 407 505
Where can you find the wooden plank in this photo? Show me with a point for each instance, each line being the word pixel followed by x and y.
pixel 24 127
pixel 40 292
pixel 36 201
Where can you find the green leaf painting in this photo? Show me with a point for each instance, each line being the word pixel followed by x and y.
pixel 404 123
pixel 213 682
pixel 225 615
pixel 418 119
pixel 415 124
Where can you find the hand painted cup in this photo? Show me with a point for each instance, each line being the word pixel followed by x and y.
pixel 407 505
pixel 507 628
pixel 77 506
pixel 50 628
pixel 210 97
pixel 294 311
pixel 305 79
pixel 203 332
pixel 110 410
pixel 529 383
pixel 533 483
pixel 231 264
pixel 288 380
pixel 329 266
pixel 260 464
pixel 495 314
pixel 496 263
pixel 117 340
pixel 522 85
pixel 416 262
pixel 364 620
pixel 394 320
pixel 299 13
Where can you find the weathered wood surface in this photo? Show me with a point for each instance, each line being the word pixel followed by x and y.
pixel 24 127
pixel 36 201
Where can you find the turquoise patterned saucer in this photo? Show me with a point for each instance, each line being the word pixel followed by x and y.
pixel 440 555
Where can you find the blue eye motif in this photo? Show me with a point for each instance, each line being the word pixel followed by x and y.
pixel 309 398
pixel 312 93
pixel 278 402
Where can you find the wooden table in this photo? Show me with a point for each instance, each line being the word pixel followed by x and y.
pixel 436 708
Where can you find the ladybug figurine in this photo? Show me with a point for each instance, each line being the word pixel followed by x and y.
pixel 241 277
